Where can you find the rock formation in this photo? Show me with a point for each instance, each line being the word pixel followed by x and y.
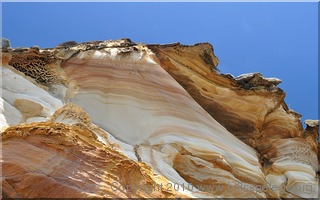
pixel 124 119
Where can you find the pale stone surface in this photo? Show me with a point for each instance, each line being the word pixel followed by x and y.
pixel 312 123
pixel 110 113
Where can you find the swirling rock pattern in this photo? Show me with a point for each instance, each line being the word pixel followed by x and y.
pixel 121 119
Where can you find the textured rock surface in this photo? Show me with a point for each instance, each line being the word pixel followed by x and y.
pixel 81 120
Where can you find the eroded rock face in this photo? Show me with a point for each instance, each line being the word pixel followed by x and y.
pixel 68 161
pixel 81 120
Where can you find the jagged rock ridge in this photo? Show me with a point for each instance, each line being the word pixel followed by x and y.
pixel 118 113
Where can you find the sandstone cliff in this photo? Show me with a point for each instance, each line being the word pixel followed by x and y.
pixel 123 119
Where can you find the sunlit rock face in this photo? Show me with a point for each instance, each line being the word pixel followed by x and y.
pixel 252 108
pixel 120 119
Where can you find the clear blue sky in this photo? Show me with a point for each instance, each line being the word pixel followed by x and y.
pixel 277 39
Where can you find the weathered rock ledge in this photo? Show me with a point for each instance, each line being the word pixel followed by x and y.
pixel 116 118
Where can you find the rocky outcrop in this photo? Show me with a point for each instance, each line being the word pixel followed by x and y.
pixel 5 43
pixel 252 108
pixel 124 117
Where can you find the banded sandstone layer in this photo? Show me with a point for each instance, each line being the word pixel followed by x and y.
pixel 116 118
